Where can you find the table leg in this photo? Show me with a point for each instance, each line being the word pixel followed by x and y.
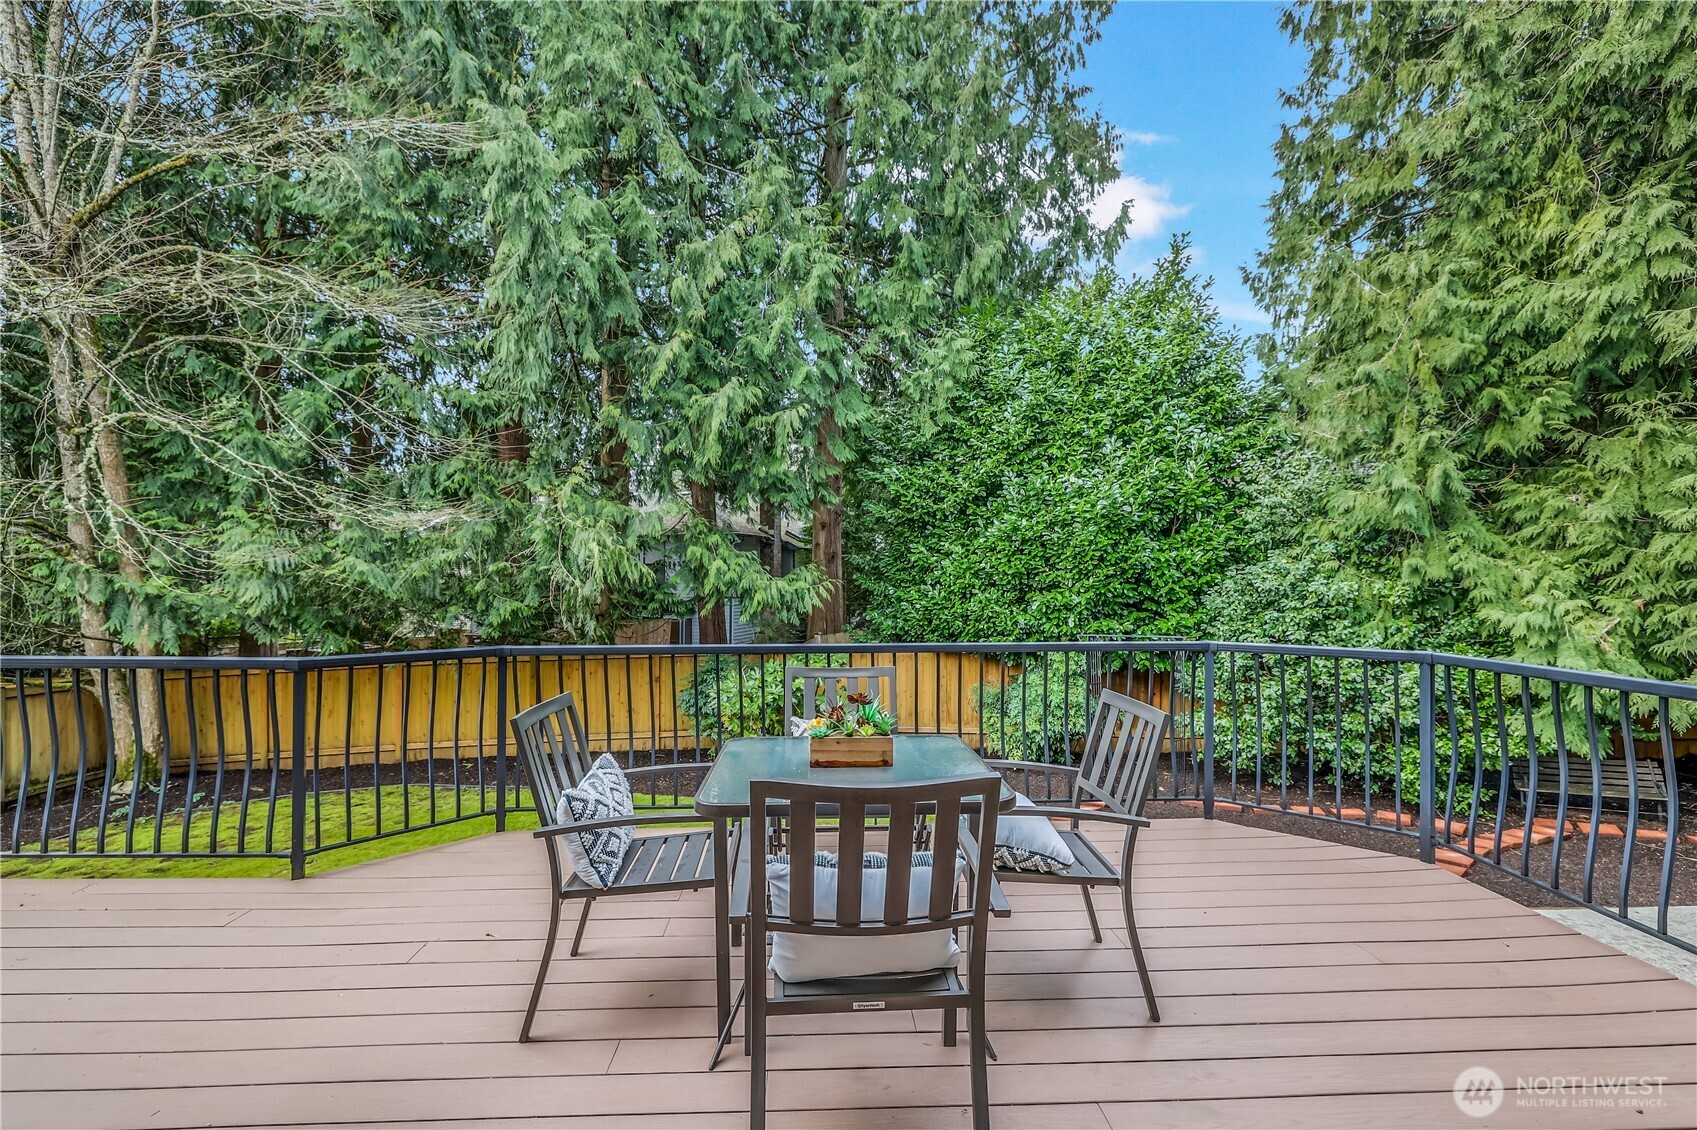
pixel 722 920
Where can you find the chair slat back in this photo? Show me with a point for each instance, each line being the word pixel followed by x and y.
pixel 801 803
pixel 553 751
pixel 1121 749
pixel 833 685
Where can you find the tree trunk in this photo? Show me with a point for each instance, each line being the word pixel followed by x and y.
pixel 773 520
pixel 829 617
pixel 115 486
pixel 704 500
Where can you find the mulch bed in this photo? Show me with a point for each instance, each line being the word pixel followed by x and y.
pixel 1505 878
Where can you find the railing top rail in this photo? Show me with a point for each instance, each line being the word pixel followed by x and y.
pixel 1565 675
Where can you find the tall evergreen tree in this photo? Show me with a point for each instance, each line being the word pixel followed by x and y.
pixel 1483 270
pixel 938 156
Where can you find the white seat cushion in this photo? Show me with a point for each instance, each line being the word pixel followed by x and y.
pixel 817 957
pixel 1030 843
pixel 601 794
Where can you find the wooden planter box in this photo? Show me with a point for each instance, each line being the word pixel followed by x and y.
pixel 846 753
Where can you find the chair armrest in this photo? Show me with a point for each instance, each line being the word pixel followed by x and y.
pixel 681 767
pixel 638 821
pixel 1030 766
pixel 999 907
pixel 1088 814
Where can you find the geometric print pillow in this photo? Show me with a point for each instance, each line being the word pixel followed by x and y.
pixel 1030 843
pixel 602 794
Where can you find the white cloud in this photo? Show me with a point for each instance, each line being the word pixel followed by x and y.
pixel 1152 207
pixel 1143 137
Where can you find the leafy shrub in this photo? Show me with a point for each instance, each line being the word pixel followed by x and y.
pixel 1086 476
pixel 730 696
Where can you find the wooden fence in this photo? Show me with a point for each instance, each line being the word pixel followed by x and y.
pixel 449 708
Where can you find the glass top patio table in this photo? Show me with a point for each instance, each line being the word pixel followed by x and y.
pixel 917 757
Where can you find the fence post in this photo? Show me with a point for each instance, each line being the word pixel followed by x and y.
pixel 297 780
pixel 1208 734
pixel 1428 763
pixel 501 743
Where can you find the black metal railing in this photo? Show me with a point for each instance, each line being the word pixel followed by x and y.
pixel 1566 780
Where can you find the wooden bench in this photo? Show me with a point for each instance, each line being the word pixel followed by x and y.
pixel 1615 783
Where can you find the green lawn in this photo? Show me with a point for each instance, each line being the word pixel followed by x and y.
pixel 333 813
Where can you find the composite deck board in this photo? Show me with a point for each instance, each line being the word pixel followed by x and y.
pixel 1302 984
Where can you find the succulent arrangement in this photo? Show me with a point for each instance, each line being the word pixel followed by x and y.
pixel 858 716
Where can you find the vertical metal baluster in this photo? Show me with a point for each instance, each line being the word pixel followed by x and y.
pixel 350 673
pixel 1236 716
pixel 297 771
pixel 1428 764
pixel 28 743
pixel 1561 800
pixel 503 680
pixel 53 751
pixel 1670 773
pixel 317 760
pixel 606 702
pixel 1284 734
pixel 132 684
pixel 1596 789
pixel 1367 742
pixel 960 693
pixel 82 754
pixel 719 702
pixel 247 761
pixel 1454 757
pixel 194 759
pixel 404 743
pixel 1631 745
pixel 1308 684
pixel 430 739
pixel 1260 728
pixel 937 692
pixel 1002 706
pixel 377 755
pixel 275 716
pixel 1532 774
pixel 222 755
pixel 630 721
pixel 459 695
pixel 1208 689
pixel 742 699
pixel 104 677
pixel 1396 738
pixel 1478 761
pixel 1025 727
pixel 158 681
pixel 1066 702
pixel 1504 772
pixel 672 712
pixel 1337 730
pixel 482 745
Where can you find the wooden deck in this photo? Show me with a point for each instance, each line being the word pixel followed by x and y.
pixel 1303 984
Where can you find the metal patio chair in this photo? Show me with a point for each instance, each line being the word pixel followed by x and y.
pixel 945 988
pixel 554 751
pixel 1117 769
pixel 835 684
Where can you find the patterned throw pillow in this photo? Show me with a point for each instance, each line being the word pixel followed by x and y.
pixel 1030 843
pixel 602 794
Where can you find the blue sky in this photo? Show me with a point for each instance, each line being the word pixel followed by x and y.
pixel 1194 87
